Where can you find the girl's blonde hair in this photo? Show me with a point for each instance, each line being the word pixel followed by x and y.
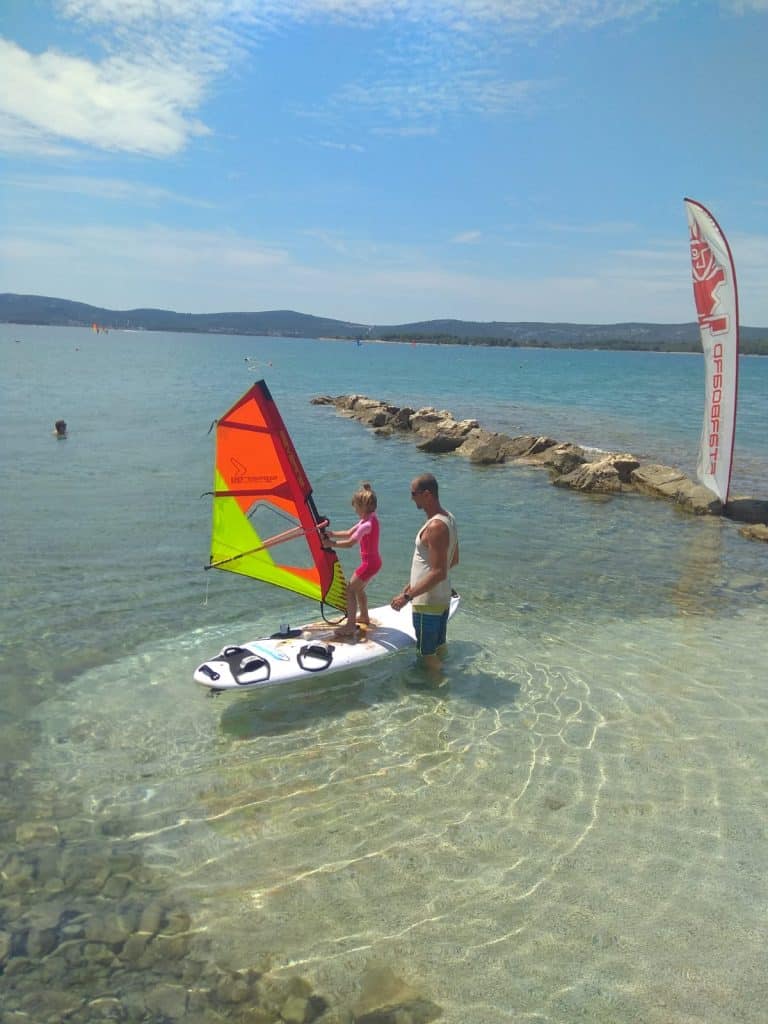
pixel 365 498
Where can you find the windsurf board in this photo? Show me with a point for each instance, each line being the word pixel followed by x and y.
pixel 312 649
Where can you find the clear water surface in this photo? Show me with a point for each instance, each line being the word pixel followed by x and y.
pixel 572 827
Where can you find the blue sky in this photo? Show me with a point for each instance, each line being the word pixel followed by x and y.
pixel 382 161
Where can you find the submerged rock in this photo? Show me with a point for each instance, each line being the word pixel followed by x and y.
pixel 758 531
pixel 440 443
pixel 388 999
pixel 608 475
pixel 667 482
pixel 483 447
pixel 167 1000
pixel 36 832
pixel 564 458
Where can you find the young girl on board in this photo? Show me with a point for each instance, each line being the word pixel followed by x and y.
pixel 365 533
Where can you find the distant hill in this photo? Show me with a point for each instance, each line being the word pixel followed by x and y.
pixel 40 309
pixel 560 335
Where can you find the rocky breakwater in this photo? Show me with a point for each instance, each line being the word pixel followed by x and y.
pixel 569 465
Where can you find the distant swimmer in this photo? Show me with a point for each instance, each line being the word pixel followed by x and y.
pixel 60 429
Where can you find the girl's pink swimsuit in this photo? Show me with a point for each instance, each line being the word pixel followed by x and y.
pixel 366 532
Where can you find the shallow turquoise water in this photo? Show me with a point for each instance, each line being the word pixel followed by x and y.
pixel 573 826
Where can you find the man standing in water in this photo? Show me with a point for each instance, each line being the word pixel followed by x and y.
pixel 429 588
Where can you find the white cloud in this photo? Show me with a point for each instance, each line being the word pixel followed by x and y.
pixel 746 6
pixel 605 228
pixel 330 241
pixel 125 268
pixel 104 188
pixel 160 57
pixel 750 255
pixel 458 14
pixel 351 147
pixel 20 137
pixel 115 105
pixel 407 103
pixel 467 237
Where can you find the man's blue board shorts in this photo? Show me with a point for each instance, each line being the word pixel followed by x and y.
pixel 431 630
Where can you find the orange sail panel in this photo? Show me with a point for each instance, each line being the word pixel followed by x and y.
pixel 265 523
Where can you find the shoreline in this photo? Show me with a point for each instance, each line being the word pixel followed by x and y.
pixel 746 347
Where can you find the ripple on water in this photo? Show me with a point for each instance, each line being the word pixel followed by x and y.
pixel 574 827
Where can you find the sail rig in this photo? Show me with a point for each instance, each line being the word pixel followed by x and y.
pixel 265 523
pixel 717 307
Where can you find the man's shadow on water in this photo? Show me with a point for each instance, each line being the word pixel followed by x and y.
pixel 290 707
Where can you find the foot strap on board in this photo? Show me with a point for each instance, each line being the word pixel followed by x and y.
pixel 243 662
pixel 320 653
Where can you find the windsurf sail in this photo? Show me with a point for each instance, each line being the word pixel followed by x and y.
pixel 717 307
pixel 265 523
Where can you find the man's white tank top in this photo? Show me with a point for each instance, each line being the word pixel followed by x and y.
pixel 438 598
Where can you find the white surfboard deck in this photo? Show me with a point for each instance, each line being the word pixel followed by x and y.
pixel 314 653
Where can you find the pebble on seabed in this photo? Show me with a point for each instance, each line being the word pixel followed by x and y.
pixel 102 943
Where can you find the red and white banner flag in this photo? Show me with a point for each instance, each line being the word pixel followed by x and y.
pixel 717 306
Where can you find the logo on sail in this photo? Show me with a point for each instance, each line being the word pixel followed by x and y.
pixel 716 393
pixel 708 276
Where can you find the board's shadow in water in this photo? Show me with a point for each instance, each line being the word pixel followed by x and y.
pixel 292 707
pixel 289 708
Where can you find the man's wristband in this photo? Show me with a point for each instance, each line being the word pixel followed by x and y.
pixel 406 595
